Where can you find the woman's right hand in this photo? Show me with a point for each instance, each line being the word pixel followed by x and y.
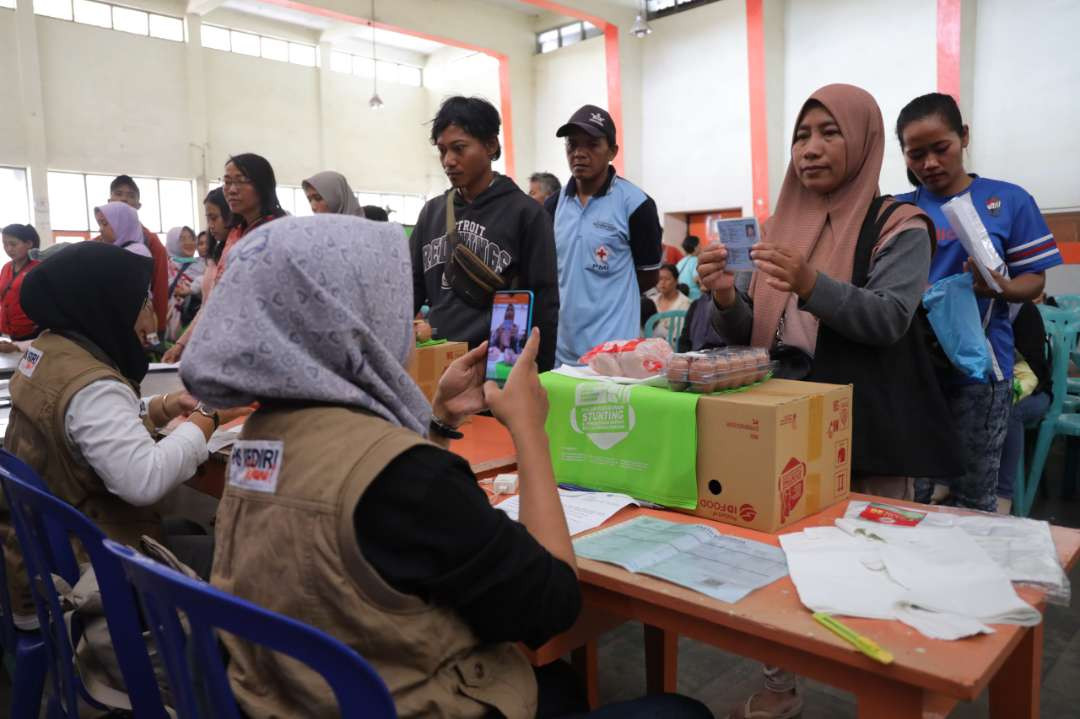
pixel 522 404
pixel 714 276
pixel 172 355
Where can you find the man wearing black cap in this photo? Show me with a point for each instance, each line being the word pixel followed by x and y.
pixel 607 239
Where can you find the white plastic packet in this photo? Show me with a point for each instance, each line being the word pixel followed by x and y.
pixel 965 221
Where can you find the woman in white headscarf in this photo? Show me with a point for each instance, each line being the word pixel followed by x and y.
pixel 343 507
pixel 329 192
pixel 185 271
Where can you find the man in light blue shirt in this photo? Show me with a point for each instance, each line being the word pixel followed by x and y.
pixel 607 241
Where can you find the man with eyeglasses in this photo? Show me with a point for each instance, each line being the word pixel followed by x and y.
pixel 607 240
pixel 123 189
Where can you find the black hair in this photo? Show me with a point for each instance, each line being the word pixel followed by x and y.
pixel 672 269
pixel 376 213
pixel 475 115
pixel 257 169
pixel 683 288
pixel 934 103
pixel 690 243
pixel 547 181
pixel 216 197
pixel 23 233
pixel 124 181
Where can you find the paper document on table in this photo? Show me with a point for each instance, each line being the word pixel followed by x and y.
pixel 690 555
pixel 163 366
pixel 223 438
pixel 1023 548
pixel 584 510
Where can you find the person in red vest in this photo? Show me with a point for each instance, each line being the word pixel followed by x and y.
pixel 124 189
pixel 18 241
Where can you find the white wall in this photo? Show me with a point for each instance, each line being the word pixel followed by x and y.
pixel 884 47
pixel 563 81
pixel 1025 122
pixel 114 102
pixel 695 110
pixel 12 139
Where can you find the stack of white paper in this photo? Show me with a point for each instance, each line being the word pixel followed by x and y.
pixel 937 580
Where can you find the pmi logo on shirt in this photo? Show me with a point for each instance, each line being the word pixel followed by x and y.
pixel 255 464
pixel 29 361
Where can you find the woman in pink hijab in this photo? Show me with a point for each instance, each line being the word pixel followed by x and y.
pixel 120 226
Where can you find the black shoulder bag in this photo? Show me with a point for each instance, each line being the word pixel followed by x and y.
pixel 466 273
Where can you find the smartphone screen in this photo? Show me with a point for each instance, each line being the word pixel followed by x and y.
pixel 511 322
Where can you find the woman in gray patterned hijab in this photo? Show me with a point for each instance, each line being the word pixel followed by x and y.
pixel 312 309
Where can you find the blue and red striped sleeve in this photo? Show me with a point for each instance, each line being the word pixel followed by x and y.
pixel 1031 246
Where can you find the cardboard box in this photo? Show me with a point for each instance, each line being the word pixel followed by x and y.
pixel 430 362
pixel 774 454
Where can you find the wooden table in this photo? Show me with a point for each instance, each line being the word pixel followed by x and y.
pixel 928 678
pixel 486 445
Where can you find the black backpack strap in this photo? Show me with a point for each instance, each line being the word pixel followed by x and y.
pixel 868 238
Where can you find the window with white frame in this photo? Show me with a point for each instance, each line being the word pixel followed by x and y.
pixel 389 70
pixel 166 203
pixel 10 4
pixel 14 196
pixel 660 8
pixel 402 208
pixel 569 34
pixel 271 48
pixel 293 200
pixel 114 17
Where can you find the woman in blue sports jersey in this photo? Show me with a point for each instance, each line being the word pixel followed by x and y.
pixel 933 136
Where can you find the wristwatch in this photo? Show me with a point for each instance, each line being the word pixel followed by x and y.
pixel 208 412
pixel 443 429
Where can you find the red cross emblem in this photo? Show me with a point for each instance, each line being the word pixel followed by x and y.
pixel 601 254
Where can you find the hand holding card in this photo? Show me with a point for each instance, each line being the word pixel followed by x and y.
pixel 738 236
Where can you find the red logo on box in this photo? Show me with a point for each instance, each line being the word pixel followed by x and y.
pixel 841 477
pixel 843 453
pixel 747 512
pixel 792 486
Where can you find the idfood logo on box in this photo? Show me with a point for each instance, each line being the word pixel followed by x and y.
pixel 602 412
pixel 792 486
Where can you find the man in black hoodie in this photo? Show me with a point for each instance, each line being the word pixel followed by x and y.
pixel 506 229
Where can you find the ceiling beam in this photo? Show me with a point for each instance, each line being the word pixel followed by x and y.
pixel 339 31
pixel 201 7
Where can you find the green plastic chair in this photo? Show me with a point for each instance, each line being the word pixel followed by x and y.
pixel 1063 327
pixel 674 327
pixel 1071 303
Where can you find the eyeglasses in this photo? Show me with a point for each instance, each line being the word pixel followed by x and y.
pixel 234 181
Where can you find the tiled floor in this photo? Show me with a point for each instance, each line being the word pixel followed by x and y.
pixel 721 680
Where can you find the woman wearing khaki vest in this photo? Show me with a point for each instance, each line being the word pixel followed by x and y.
pixel 76 416
pixel 338 512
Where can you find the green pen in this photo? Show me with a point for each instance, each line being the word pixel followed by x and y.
pixel 864 644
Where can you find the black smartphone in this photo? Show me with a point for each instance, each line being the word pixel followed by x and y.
pixel 511 322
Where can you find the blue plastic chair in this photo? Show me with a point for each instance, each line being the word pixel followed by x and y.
pixel 163 592
pixel 32 511
pixel 1063 327
pixel 674 326
pixel 24 654
pixel 24 651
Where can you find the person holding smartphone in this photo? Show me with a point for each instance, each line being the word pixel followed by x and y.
pixel 507 234
pixel 367 527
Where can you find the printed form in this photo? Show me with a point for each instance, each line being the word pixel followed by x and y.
pixel 690 555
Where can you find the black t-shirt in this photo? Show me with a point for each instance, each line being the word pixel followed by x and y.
pixel 430 531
